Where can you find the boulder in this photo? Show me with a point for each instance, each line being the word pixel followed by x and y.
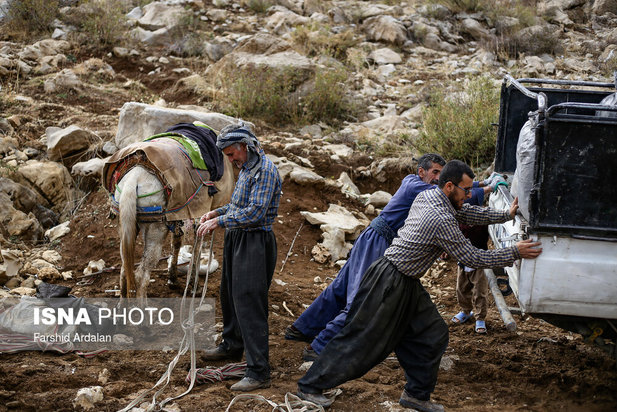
pixel 218 48
pixel 334 242
pixel 474 29
pixel 58 231
pixel 284 21
pixel 64 80
pixel 379 198
pixel 337 217
pixel 158 15
pixel 262 52
pixel 160 37
pixel 348 187
pixel 433 41
pixel 216 15
pixel 339 150
pixel 69 142
pixel 386 29
pixel 52 180
pixel 303 176
pixel 385 124
pixel 11 263
pixel 46 47
pixel 601 7
pixel 87 397
pixel 23 291
pixel 139 121
pixel 385 56
pixel 22 197
pixel 17 223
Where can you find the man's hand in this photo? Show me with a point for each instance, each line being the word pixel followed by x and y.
pixel 496 181
pixel 207 226
pixel 529 249
pixel 210 215
pixel 514 207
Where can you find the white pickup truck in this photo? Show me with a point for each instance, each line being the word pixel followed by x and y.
pixel 572 203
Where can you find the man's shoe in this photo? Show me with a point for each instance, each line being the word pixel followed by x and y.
pixel 309 355
pixel 219 353
pixel 409 401
pixel 316 398
pixel 293 333
pixel 249 384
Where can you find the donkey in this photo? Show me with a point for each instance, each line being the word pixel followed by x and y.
pixel 142 196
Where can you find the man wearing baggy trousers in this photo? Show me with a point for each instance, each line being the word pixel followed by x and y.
pixel 249 256
pixel 393 312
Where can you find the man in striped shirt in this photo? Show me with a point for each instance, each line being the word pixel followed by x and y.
pixel 393 311
pixel 249 256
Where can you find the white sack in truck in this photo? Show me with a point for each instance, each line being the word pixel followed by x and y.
pixel 610 100
pixel 522 182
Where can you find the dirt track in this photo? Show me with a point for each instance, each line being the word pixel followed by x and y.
pixel 537 368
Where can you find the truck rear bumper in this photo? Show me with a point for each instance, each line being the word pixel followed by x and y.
pixel 574 277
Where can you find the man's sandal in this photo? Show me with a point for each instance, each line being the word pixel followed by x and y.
pixel 462 317
pixel 480 326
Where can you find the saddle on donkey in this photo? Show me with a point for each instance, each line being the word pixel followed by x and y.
pixel 186 161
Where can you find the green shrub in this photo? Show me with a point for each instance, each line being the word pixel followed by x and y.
pixel 258 6
pixel 104 21
pixel 256 93
pixel 326 99
pixel 274 96
pixel 460 125
pixel 24 17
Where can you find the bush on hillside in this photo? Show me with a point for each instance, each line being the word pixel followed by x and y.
pixel 258 6
pixel 273 96
pixel 460 125
pixel 25 17
pixel 103 21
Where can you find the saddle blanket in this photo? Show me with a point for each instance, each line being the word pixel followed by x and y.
pixel 186 187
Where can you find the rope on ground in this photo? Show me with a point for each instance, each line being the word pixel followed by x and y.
pixel 292 402
pixel 229 371
pixel 188 341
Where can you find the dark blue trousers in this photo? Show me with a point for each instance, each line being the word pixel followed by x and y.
pixel 248 265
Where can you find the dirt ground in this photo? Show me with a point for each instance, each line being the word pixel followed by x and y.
pixel 536 368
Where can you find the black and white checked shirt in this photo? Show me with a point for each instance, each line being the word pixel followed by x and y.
pixel 432 228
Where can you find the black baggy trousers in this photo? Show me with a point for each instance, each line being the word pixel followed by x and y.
pixel 391 311
pixel 249 258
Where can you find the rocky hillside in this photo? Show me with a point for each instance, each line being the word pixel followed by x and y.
pixel 65 88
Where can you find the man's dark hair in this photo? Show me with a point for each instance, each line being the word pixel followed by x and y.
pixel 453 172
pixel 426 161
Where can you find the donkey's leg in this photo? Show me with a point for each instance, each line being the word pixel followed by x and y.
pixel 176 242
pixel 154 236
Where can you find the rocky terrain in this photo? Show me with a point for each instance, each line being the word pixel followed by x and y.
pixel 70 98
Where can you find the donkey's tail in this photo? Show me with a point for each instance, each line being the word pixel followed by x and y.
pixel 128 232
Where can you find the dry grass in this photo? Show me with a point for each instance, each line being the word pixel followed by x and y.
pixel 318 40
pixel 275 97
pixel 459 125
pixel 27 17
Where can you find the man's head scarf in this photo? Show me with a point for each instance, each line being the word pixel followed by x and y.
pixel 236 133
pixel 240 133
